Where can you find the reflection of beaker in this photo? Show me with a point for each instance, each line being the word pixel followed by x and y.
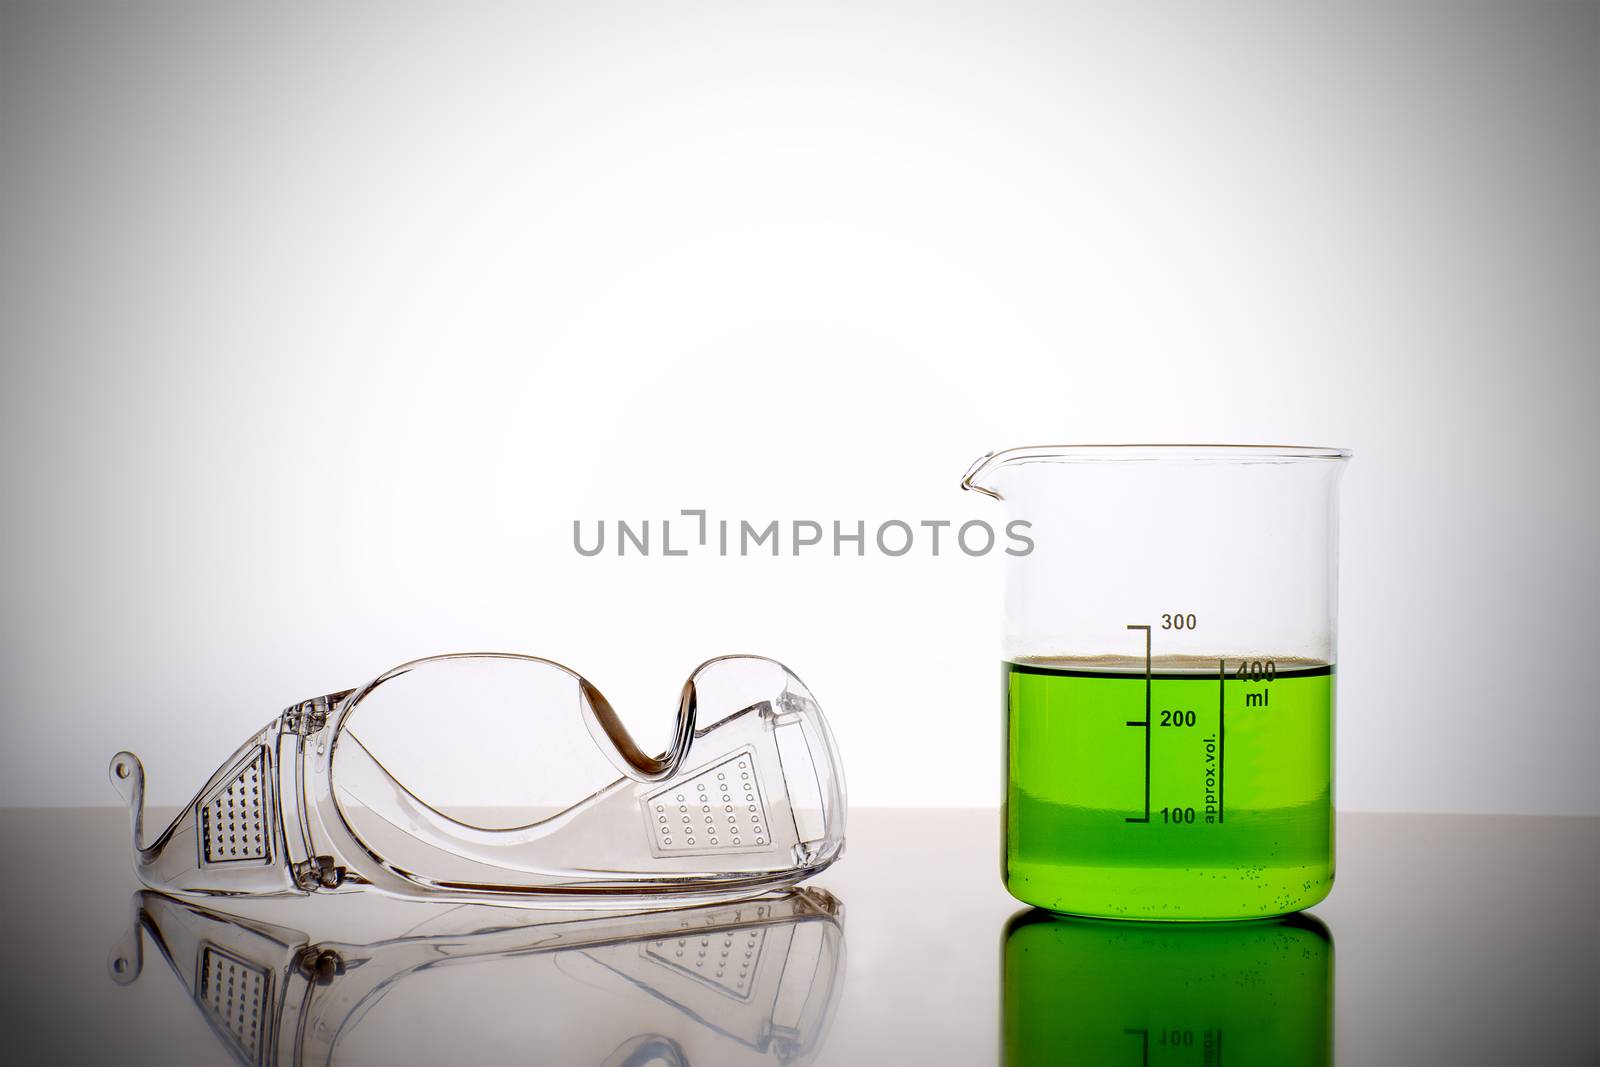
pixel 1092 991
pixel 1169 666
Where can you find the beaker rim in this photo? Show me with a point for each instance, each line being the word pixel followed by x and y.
pixel 1149 453
pixel 1125 452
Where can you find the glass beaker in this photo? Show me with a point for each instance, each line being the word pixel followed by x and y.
pixel 1169 677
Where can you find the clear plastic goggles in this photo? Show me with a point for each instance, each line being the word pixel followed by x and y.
pixel 496 777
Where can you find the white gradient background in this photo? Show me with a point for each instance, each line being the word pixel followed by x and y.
pixel 321 323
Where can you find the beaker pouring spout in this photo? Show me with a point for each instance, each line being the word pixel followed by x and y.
pixel 975 478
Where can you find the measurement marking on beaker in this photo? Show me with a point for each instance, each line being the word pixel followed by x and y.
pixel 1145 724
pixel 1144 1045
pixel 1222 736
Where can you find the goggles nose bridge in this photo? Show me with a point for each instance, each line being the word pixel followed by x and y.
pixel 613 738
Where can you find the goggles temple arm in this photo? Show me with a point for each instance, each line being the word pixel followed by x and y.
pixel 246 831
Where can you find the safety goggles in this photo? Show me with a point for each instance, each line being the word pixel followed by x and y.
pixel 495 777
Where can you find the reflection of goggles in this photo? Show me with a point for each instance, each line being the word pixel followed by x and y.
pixel 749 796
pixel 753 982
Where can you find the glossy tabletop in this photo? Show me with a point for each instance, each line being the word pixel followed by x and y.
pixel 1447 940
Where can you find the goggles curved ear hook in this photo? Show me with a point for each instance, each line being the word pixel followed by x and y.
pixel 127 776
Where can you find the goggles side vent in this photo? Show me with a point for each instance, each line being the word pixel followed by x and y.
pixel 233 819
pixel 718 808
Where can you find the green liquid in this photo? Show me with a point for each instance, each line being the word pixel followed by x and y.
pixel 1240 801
pixel 1093 992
